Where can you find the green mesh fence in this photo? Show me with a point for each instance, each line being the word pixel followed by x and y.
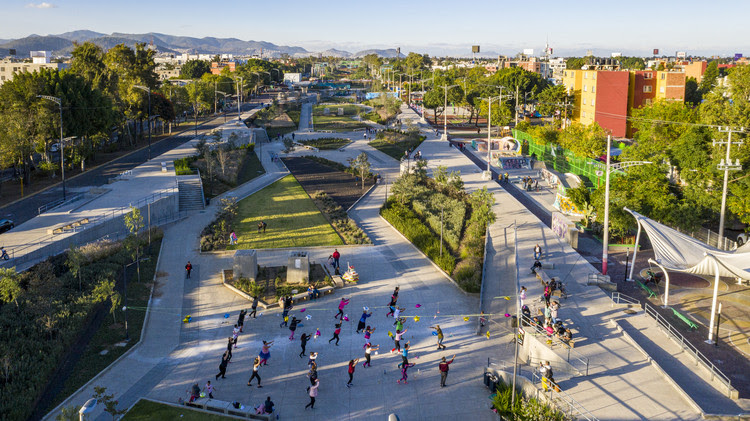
pixel 563 160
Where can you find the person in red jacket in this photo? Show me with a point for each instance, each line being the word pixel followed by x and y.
pixel 444 366
pixel 342 304
pixel 336 256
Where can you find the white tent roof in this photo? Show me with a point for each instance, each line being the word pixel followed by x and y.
pixel 680 252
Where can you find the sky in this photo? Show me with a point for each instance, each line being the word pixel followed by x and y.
pixel 572 27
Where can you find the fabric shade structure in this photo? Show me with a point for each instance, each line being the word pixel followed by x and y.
pixel 680 252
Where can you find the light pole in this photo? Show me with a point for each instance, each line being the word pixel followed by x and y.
pixel 445 111
pixel 239 96
pixel 605 234
pixel 144 88
pixel 489 130
pixel 58 101
pixel 125 291
pixel 87 408
pixel 726 165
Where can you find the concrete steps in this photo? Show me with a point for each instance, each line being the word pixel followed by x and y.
pixel 190 192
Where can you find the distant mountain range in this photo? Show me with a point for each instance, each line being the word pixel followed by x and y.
pixel 63 44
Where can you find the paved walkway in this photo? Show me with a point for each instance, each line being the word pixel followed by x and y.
pixel 305 117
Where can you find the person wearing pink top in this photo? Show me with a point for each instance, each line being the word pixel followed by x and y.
pixel 342 304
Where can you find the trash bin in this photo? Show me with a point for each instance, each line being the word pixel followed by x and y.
pixel 514 321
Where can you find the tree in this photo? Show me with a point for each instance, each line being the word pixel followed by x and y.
pixel 134 223
pixel 10 285
pixel 223 155
pixel 692 92
pixel 75 261
pixel 709 77
pixel 553 98
pixel 194 69
pixel 632 63
pixel 585 141
pixel 110 405
pixel 361 165
pixel 105 290
pixel 481 206
pixel 575 63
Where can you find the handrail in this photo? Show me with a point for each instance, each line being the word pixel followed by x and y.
pixel 573 405
pixel 617 297
pixel 555 341
pixel 686 345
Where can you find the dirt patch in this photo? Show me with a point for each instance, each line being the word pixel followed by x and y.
pixel 342 187
pixel 282 120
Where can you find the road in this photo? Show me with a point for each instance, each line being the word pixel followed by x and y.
pixel 27 208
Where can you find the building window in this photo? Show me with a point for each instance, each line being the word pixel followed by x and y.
pixel 593 76
pixel 661 89
pixel 593 89
pixel 584 88
pixel 585 75
pixel 584 101
pixel 647 88
pixel 583 114
pixel 566 74
pixel 647 75
pixel 593 102
pixel 2 69
pixel 663 76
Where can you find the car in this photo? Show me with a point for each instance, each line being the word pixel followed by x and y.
pixel 742 239
pixel 54 147
pixel 6 225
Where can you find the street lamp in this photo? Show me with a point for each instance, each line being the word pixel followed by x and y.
pixel 489 131
pixel 445 111
pixel 239 96
pixel 125 290
pixel 143 88
pixel 87 408
pixel 225 96
pixel 605 234
pixel 58 101
pixel 726 166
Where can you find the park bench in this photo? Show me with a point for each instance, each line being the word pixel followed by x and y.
pixel 543 277
pixel 224 407
pixel 684 319
pixel 650 292
pixel 304 296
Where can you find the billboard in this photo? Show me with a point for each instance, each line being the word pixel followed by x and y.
pixel 474 48
pixel 681 54
pixel 656 51
pixel 528 51
pixel 737 56
pixel 616 55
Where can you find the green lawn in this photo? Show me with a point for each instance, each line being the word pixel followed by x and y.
pixel 148 410
pixel 325 143
pixel 250 168
pixel 292 217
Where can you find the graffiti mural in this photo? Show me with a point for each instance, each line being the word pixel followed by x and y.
pixel 566 206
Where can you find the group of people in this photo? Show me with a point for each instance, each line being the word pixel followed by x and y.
pixel 370 348
pixel 530 183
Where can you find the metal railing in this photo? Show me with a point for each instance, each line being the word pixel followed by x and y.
pixel 564 402
pixel 620 298
pixel 690 348
pixel 538 330
pixel 56 203
pixel 711 238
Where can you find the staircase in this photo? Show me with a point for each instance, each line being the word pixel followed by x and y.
pixel 191 192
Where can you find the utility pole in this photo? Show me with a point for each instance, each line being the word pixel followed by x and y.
pixel 148 90
pixel 57 101
pixel 445 111
pixel 726 165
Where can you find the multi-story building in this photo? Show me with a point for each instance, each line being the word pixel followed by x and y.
pixel 217 67
pixel 601 96
pixel 649 86
pixel 557 66
pixel 39 60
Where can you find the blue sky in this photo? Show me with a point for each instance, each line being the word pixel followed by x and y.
pixel 572 26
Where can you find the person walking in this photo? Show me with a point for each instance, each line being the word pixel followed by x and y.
pixel 352 366
pixel 209 389
pixel 440 336
pixel 545 369
pixel 363 319
pixel 241 319
pixel 230 342
pixel 336 334
pixel 284 316
pixel 368 333
pixel 391 308
pixel 256 366
pixel 313 392
pixel 342 304
pixel 444 367
pixel 254 307
pixel 265 352
pixel 403 373
pixel 397 313
pixel 537 252
pixel 336 256
pixel 293 327
pixel 397 338
pixel 303 343
pixel 368 354
pixel 188 269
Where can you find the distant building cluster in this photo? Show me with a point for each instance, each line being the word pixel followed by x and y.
pixel 39 60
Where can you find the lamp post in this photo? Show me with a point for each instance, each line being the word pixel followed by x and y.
pixel 144 88
pixel 125 291
pixel 605 234
pixel 726 166
pixel 58 101
pixel 87 408
pixel 239 96
pixel 224 94
pixel 445 111
pixel 489 131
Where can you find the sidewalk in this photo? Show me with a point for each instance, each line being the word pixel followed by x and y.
pixel 621 383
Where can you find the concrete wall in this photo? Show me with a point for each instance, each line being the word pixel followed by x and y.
pixel 534 350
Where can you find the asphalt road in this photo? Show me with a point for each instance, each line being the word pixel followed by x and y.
pixel 27 208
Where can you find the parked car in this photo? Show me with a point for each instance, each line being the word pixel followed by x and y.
pixel 6 225
pixel 742 239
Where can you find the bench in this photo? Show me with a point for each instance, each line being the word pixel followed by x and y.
pixel 224 407
pixel 650 292
pixel 304 296
pixel 543 277
pixel 685 319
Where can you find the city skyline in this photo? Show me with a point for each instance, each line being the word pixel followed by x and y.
pixel 501 28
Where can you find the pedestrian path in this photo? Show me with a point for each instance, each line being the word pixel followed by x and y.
pixel 305 117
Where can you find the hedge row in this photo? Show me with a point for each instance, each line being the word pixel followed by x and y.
pixel 408 223
pixel 429 208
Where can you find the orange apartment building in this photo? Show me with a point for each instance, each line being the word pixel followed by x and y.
pixel 608 97
pixel 217 67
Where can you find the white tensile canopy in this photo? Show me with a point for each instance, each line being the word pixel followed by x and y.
pixel 680 252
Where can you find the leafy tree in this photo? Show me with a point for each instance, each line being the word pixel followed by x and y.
pixel 632 63
pixel 361 165
pixel 587 141
pixel 575 63
pixel 481 206
pixel 501 112
pixel 194 69
pixel 105 290
pixel 709 77
pixel 655 130
pixel 552 99
pixel 10 285
pixel 692 92
pixel 69 413
pixel 75 261
pixel 110 404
